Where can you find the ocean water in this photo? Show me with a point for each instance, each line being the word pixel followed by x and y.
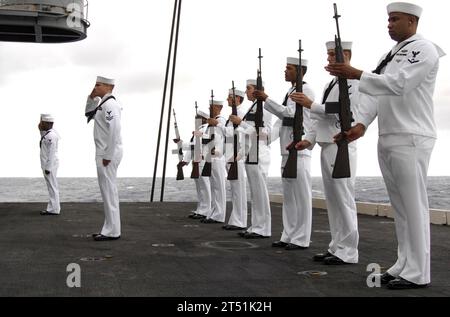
pixel 368 189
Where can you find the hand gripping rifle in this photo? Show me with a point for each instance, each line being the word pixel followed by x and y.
pixel 207 167
pixel 196 147
pixel 233 171
pixel 342 163
pixel 290 169
pixel 180 175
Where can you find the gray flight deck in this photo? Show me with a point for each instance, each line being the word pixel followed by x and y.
pixel 163 253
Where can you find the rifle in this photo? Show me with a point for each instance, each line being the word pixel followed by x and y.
pixel 180 175
pixel 233 171
pixel 196 148
pixel 290 169
pixel 342 162
pixel 207 167
pixel 259 123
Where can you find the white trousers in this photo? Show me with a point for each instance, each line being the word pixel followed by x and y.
pixel 218 190
pixel 297 204
pixel 53 205
pixel 238 216
pixel 404 161
pixel 260 204
pixel 108 187
pixel 203 187
pixel 341 205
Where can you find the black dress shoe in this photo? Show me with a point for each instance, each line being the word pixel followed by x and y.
pixel 46 213
pixel 209 220
pixel 292 246
pixel 197 216
pixel 101 237
pixel 231 227
pixel 333 260
pixel 386 278
pixel 321 256
pixel 401 283
pixel 252 235
pixel 279 244
pixel 242 233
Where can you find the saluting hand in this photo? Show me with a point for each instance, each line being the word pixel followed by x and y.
pixel 301 98
pixel 353 134
pixel 343 70
pixel 93 95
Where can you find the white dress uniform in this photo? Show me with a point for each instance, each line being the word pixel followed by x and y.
pixel 202 183
pixel 218 170
pixel 407 135
pixel 297 193
pixel 339 193
pixel 238 216
pixel 108 146
pixel 257 172
pixel 50 162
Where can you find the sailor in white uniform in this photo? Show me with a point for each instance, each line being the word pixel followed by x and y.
pixel 257 161
pixel 202 183
pixel 238 216
pixel 50 162
pixel 339 193
pixel 213 149
pixel 404 84
pixel 103 107
pixel 297 193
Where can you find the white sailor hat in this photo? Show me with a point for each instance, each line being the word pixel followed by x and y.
pixel 202 114
pixel 253 82
pixel 295 61
pixel 236 92
pixel 215 102
pixel 404 7
pixel 45 117
pixel 104 80
pixel 331 45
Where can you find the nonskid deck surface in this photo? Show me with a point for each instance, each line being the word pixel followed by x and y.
pixel 163 253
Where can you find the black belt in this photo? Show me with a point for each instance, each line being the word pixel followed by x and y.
pixel 206 141
pixel 288 122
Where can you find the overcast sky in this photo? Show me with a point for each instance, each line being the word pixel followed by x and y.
pixel 219 42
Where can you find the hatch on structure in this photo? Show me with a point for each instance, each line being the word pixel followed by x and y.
pixel 43 21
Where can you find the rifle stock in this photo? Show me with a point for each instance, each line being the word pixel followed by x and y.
pixel 341 167
pixel 290 168
pixel 195 174
pixel 180 175
pixel 206 171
